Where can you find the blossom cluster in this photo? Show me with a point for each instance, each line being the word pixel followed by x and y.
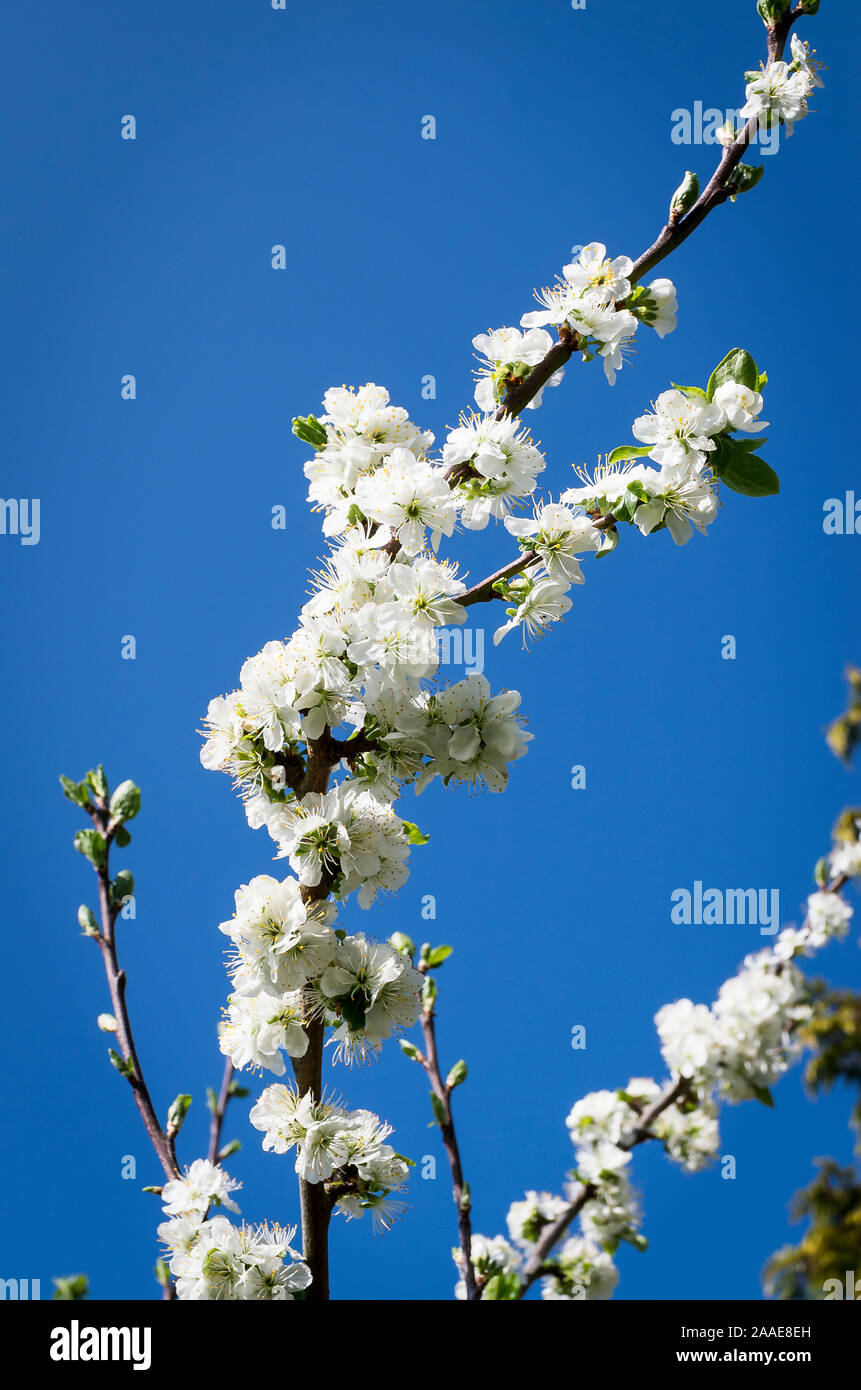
pixel 211 1258
pixel 345 1149
pixel 779 92
pixel 290 966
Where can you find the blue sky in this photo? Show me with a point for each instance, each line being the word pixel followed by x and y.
pixel 152 257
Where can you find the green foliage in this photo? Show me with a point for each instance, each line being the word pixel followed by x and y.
pixel 737 465
pixel 70 1288
pixel 843 735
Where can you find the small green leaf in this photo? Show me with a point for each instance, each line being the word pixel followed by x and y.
pixel 685 195
pixel 232 1148
pixel 609 543
pixel 123 886
pixel 124 1068
pixel 70 1288
pixel 628 451
pixel 413 834
pixel 695 392
pixel 738 365
pixel 87 921
pixel 77 792
pixel 211 1101
pixel 126 801
pixel 437 955
pixel 429 993
pixel 99 782
pixel 409 1050
pixel 122 837
pixel 92 845
pixel 763 1094
pixel 501 1288
pixel 162 1273
pixel 238 1092
pixel 403 944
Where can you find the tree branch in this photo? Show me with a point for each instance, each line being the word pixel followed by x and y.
pixel 107 943
pixel 217 1120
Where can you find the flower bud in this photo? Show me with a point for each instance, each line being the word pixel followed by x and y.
pixel 107 1023
pixel 87 921
pixel 685 196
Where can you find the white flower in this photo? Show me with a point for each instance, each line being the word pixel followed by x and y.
pixel 776 93
pixel 602 1159
pixel 545 603
pixel 846 859
pixel 687 1034
pixel 558 535
pixel 202 1185
pixel 682 501
pixel 584 1273
pixel 280 942
pixel 680 429
pixel 592 271
pixel 659 307
pixel 256 1029
pixel 827 916
pixel 489 1256
pixel 741 406
pixel 504 459
pixel 373 991
pixel 508 353
pixel 484 734
pixel 409 496
pixel 527 1219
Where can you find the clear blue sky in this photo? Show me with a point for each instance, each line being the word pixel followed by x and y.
pixel 151 257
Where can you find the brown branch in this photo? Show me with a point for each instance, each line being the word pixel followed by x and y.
pixel 107 943
pixel 217 1119
pixel 670 237
pixel 555 1230
pixel 429 1059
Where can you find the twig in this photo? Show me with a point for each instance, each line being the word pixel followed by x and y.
pixel 107 943
pixel 429 1059
pixel 217 1120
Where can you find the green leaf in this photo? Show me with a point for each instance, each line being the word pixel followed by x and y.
pixel 87 921
pixel 501 1288
pixel 743 178
pixel 429 993
pixel 695 392
pixel 409 1050
pixel 627 451
pixel 162 1273
pixel 736 464
pixel 126 801
pixel 211 1100
pixel 457 1075
pixel 413 834
pixel 609 543
pixel 232 1148
pixel 238 1092
pixel 354 1009
pixel 738 365
pixel 763 1094
pixel 124 1068
pixel 437 955
pixel 70 1288
pixel 77 792
pixel 122 837
pixel 92 845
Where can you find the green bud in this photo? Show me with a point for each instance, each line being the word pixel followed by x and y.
pixel 457 1075
pixel 162 1273
pixel 232 1148
pixel 125 802
pixel 820 873
pixel 685 196
pixel 87 922
pixel 92 845
pixel 126 1069
pixel 409 1050
pixel 429 993
pixel 99 782
pixel 211 1100
pixel 403 944
pixel 743 178
pixel 770 11
pixel 809 6
pixel 465 1198
pixel 240 1092
pixel 123 886
pixel 310 431
pixel 438 1109
pixel 70 1288
pixel 177 1113
pixel 156 1191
